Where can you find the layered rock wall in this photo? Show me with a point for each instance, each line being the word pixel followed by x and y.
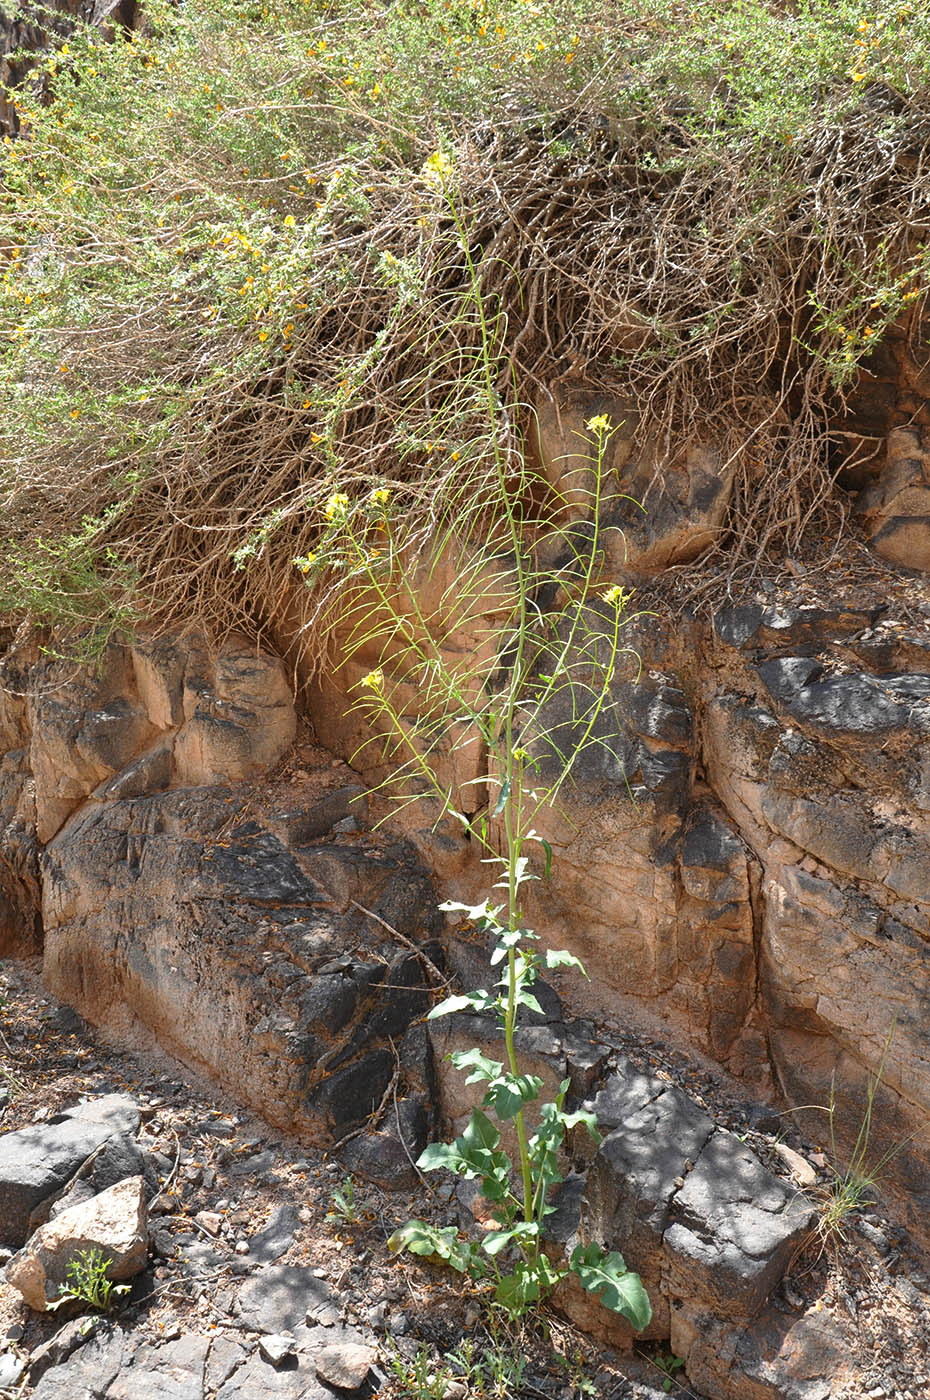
pixel 170 892
pixel 744 853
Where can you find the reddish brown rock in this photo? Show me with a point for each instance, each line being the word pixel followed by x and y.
pixel 114 1223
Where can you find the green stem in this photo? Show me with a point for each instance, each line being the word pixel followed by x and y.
pixel 510 1018
pixel 512 834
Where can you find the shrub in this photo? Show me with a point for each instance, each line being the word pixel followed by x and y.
pixel 228 298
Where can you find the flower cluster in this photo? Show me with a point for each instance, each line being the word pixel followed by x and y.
pixel 617 597
pixel 337 508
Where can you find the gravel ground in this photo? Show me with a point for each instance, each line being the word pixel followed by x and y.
pixel 237 1197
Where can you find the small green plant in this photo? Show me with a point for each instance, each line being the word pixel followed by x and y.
pixel 418 1376
pixel 580 1383
pixel 494 1375
pixel 344 1205
pixel 854 1183
pixel 10 1080
pixel 856 1177
pixel 89 1284
pixel 668 1363
pixel 502 1373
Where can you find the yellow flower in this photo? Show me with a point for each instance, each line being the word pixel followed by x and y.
pixel 616 596
pixel 336 506
pixel 290 221
pixel 306 564
pixel 599 424
pixel 374 680
pixel 263 335
pixel 380 497
pixel 436 168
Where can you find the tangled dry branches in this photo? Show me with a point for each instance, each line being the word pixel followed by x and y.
pixel 704 290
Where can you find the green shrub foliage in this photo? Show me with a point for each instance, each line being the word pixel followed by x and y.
pixel 226 291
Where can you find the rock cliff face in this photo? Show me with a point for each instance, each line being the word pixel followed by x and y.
pixel 750 857
pixel 747 851
pixel 173 893
pixel 746 854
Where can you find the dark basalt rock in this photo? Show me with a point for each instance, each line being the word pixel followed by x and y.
pixel 857 704
pixel 38 1161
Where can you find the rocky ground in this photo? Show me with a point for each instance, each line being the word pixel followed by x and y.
pixel 269 1273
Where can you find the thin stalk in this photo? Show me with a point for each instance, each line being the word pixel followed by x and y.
pixel 513 836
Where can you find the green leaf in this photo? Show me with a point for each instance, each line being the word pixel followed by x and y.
pixel 523 1234
pixel 496 1240
pixel 477 913
pixel 521 877
pixel 473 1059
pixel 420 1238
pixel 480 1133
pixel 495 1183
pixel 527 999
pixel 558 957
pixel 507 1094
pixel 479 1000
pixel 509 938
pixel 465 1258
pixel 518 1290
pixel 535 836
pixel 583 1119
pixel 440 1154
pixel 520 870
pixel 502 796
pixel 606 1276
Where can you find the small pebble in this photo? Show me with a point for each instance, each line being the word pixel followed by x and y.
pixel 210 1220
pixel 218 1129
pixel 277 1347
pixel 163 1243
pixel 376 1315
pixel 11 1368
pixel 242 1246
pixel 345 1365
